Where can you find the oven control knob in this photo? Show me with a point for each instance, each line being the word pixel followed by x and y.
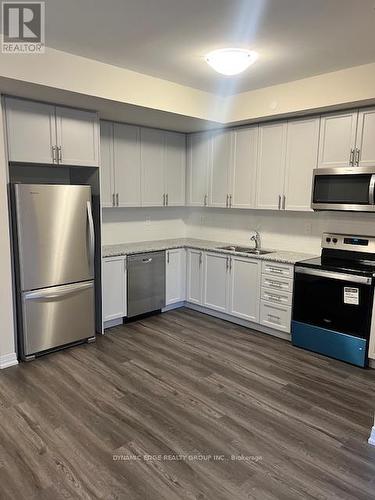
pixel 328 240
pixel 334 240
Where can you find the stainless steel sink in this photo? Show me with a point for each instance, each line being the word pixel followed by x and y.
pixel 234 248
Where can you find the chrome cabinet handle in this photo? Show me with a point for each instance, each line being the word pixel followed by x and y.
pixel 351 157
pixel 357 156
pixel 54 159
pixel 166 199
pixel 163 199
pixel 284 201
pixel 147 261
pixel 117 200
pixel 59 151
pixel 200 258
pixel 230 201
pixel 230 264
pixel 279 201
pixel 227 264
pixel 205 200
pixel 167 257
pixel 113 200
pixel 227 201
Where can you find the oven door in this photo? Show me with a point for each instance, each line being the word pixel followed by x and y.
pixel 332 313
pixel 344 189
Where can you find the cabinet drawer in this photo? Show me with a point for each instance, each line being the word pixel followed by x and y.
pixel 274 283
pixel 278 317
pixel 276 269
pixel 282 298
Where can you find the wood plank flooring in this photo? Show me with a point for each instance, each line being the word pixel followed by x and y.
pixel 186 406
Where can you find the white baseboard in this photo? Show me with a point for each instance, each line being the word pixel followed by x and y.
pixel 8 360
pixel 176 305
pixel 372 437
pixel 113 322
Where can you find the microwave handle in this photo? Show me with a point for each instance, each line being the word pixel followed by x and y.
pixel 371 190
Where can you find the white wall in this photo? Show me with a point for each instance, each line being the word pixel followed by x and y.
pixel 7 337
pixel 125 225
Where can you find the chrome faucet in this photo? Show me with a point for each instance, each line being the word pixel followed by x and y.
pixel 256 238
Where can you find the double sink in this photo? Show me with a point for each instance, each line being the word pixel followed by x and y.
pixel 253 251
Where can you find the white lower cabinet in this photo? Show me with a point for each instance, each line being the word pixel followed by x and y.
pixel 114 288
pixel 215 282
pixel 275 316
pixel 175 276
pixel 194 292
pixel 244 288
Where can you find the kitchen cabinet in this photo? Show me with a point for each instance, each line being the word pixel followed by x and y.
pixel 194 293
pixel 271 165
pixel 244 288
pixel 243 171
pixel 114 288
pixel 47 134
pixel 199 158
pixel 337 139
pixel 175 169
pixel 365 140
pixel 126 165
pixel 77 137
pixel 215 281
pixel 107 181
pixel 221 164
pixel 152 167
pixel 175 282
pixel 301 159
pixel 371 349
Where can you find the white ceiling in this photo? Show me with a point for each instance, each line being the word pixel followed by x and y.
pixel 168 38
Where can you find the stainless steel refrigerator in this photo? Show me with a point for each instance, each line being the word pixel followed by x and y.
pixel 55 261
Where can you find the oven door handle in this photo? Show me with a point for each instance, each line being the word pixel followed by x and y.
pixel 353 278
pixel 371 190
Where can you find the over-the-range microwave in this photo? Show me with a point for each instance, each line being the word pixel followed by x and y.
pixel 348 188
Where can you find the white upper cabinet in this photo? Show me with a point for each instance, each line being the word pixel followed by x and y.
pixel 77 137
pixel 199 154
pixel 175 168
pixel 43 133
pixel 301 159
pixel 244 288
pixel 215 282
pixel 127 165
pixel 243 172
pixel 194 289
pixel 107 186
pixel 271 165
pixel 152 163
pixel 221 164
pixel 365 143
pixel 337 139
pixel 31 130
pixel 175 276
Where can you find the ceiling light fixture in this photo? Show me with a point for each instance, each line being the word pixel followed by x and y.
pixel 231 61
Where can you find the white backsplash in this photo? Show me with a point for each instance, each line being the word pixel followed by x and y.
pixel 299 231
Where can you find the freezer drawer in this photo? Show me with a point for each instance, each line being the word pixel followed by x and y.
pixel 56 316
pixel 146 283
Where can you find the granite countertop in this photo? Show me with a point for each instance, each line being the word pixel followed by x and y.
pixel 281 256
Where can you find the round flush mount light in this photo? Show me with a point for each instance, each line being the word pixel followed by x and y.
pixel 231 61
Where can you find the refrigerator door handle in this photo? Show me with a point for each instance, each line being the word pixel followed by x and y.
pixel 91 234
pixel 60 291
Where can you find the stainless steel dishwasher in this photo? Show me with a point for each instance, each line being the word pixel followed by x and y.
pixel 146 283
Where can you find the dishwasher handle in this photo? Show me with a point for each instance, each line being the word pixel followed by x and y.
pixel 147 260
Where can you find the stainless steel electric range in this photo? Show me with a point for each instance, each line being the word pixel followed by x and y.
pixel 334 299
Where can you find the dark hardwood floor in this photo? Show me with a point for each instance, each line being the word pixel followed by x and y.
pixel 185 406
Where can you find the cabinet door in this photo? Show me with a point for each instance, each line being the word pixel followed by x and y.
pixel 244 288
pixel 152 163
pixel 271 165
pixel 127 163
pixel 114 288
pixel 199 153
pixel 175 285
pixel 243 173
pixel 365 154
pixel 371 349
pixel 194 276
pixel 301 159
pixel 78 137
pixel 175 168
pixel 337 139
pixel 107 188
pixel 221 163
pixel 215 281
pixel 31 130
